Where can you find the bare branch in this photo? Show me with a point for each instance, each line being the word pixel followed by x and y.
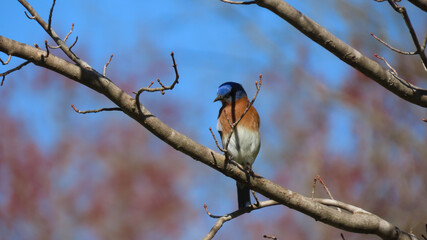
pixel 388 65
pixel 74 43
pixel 392 48
pixel 3 75
pixel 404 13
pixel 163 87
pixel 238 2
pixel 255 197
pixel 26 14
pixel 96 111
pixel 227 217
pixel 345 52
pixel 69 33
pixel 216 142
pixel 324 186
pixel 49 26
pixel 106 65
pixel 7 61
pixel 47 48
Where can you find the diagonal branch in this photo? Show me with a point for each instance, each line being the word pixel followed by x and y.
pixel 52 33
pixel 345 52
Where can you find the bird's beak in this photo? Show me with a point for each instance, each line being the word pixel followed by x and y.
pixel 218 98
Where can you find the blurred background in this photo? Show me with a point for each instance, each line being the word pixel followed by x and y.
pixel 65 175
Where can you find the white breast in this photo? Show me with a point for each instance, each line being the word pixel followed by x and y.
pixel 244 146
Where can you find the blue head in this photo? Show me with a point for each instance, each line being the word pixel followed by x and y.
pixel 229 92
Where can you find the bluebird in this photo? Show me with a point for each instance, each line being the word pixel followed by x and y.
pixel 245 141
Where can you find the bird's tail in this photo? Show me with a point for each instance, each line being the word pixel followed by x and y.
pixel 243 196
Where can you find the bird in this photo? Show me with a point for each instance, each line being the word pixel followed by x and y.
pixel 245 141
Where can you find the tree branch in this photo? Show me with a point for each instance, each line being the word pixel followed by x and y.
pixel 404 13
pixel 345 52
pixel 359 223
pixel 422 4
pixel 96 110
pixel 52 33
pixel 227 217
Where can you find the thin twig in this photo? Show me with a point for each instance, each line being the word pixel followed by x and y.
pixel 255 197
pixel 106 65
pixel 392 48
pixel 209 214
pixel 318 178
pixel 342 236
pixel 163 87
pixel 7 61
pixel 227 217
pixel 47 48
pixel 3 75
pixel 96 111
pixel 28 16
pixel 74 43
pixel 394 72
pixel 49 26
pixel 238 2
pixel 216 142
pixel 69 33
